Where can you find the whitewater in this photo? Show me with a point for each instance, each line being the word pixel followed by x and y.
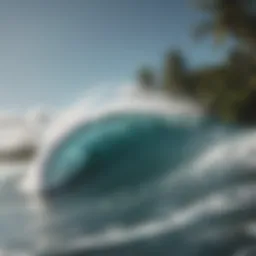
pixel 125 172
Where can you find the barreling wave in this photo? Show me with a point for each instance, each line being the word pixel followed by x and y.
pixel 127 112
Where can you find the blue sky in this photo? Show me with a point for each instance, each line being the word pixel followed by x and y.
pixel 52 50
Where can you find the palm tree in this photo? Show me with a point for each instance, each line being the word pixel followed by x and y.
pixel 174 72
pixel 146 78
pixel 236 18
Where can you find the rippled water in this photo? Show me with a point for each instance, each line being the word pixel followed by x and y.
pixel 144 186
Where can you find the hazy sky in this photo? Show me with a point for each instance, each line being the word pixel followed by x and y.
pixel 52 50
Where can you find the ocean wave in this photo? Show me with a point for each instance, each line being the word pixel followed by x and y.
pixel 140 177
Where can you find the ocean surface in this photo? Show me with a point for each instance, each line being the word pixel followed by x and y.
pixel 137 184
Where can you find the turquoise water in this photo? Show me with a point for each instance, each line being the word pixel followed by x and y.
pixel 141 147
pixel 138 184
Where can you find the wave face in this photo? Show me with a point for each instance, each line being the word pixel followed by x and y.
pixel 140 182
pixel 118 152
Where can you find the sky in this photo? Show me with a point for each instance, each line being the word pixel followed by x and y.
pixel 51 51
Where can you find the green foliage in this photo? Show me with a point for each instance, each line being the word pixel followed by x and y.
pixel 175 71
pixel 232 89
pixel 228 90
pixel 146 78
pixel 236 18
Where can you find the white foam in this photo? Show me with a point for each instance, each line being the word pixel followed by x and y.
pixel 126 99
pixel 215 204
pixel 235 150
pixel 18 132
